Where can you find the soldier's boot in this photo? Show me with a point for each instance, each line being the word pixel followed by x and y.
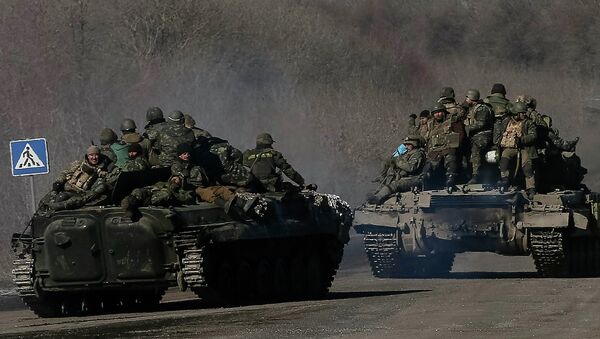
pixel 130 206
pixel 450 182
pixel 503 184
pixel 58 206
pixel 380 196
pixel 474 179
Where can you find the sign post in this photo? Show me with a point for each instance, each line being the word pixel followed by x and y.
pixel 29 157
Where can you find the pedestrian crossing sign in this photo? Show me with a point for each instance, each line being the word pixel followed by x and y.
pixel 29 157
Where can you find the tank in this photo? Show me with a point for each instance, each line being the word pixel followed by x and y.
pixel 96 259
pixel 418 233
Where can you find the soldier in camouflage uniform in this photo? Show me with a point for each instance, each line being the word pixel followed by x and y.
pixel 198 132
pixel 516 137
pixel 267 164
pixel 404 173
pixel 83 182
pixel 130 136
pixel 419 127
pixel 107 138
pixel 443 141
pixel 173 134
pixel 136 161
pixel 479 124
pixel 155 123
pixel 497 99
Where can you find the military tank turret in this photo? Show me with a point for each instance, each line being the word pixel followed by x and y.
pixel 418 233
pixel 96 259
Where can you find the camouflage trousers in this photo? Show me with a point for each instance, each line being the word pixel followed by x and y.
pixel 480 144
pixel 405 184
pixel 67 200
pixel 439 164
pixel 508 161
pixel 162 194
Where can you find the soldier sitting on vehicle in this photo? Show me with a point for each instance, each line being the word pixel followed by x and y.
pixel 83 182
pixel 419 127
pixel 497 99
pixel 454 109
pixel 136 161
pixel 404 172
pixel 155 123
pixel 516 138
pixel 130 136
pixel 443 141
pixel 267 164
pixel 173 134
pixel 107 138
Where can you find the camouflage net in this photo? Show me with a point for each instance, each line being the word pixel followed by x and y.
pixel 338 206
pixel 259 205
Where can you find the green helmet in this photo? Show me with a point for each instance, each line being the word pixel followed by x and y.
pixel 128 125
pixel 264 139
pixel 154 113
pixel 438 107
pixel 473 94
pixel 107 137
pixel 176 117
pixel 412 140
pixel 518 107
pixel 447 92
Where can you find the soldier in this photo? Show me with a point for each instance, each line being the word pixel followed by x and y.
pixel 82 182
pixel 478 128
pixel 107 138
pixel 516 138
pixel 443 140
pixel 173 134
pixel 198 132
pixel 404 173
pixel 156 122
pixel 420 127
pixel 136 161
pixel 447 98
pixel 497 99
pixel 266 164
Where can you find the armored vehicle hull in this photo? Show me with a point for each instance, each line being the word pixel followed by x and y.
pixel 419 233
pixel 96 259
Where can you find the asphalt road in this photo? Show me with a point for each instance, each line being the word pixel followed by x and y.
pixel 486 296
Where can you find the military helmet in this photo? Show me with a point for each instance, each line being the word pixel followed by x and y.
pixel 412 140
pixel 438 107
pixel 128 125
pixel 154 113
pixel 264 139
pixel 189 121
pixel 108 136
pixel 529 101
pixel 473 94
pixel 498 88
pixel 447 92
pixel 176 117
pixel 424 114
pixel 518 107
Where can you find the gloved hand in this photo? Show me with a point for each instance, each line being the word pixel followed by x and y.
pixel 311 187
pixel 57 186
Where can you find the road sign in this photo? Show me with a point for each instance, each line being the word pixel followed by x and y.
pixel 29 157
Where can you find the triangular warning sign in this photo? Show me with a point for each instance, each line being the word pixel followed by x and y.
pixel 29 159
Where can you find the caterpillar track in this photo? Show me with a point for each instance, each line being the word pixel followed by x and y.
pixel 557 255
pixel 388 261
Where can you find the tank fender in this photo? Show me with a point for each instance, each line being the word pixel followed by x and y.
pixel 580 221
pixel 537 219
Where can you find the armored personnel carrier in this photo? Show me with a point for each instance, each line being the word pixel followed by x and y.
pixel 418 233
pixel 95 259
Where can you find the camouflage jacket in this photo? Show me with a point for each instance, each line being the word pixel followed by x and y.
pixel 415 128
pixel 200 133
pixel 528 135
pixel 169 137
pixel 151 134
pixel 453 108
pixel 480 119
pixel 137 164
pixel 442 137
pixel 191 175
pixel 80 176
pixel 266 164
pixel 411 162
pixel 500 105
pixel 108 152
